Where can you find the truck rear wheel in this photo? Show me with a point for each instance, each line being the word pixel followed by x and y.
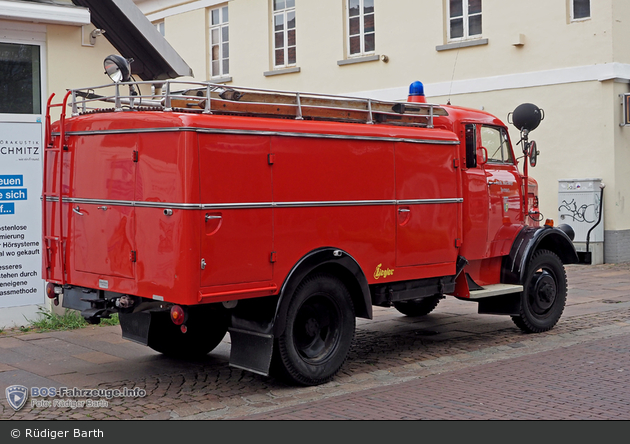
pixel 418 307
pixel 319 331
pixel 544 293
pixel 205 330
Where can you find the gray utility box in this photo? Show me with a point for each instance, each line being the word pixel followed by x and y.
pixel 579 206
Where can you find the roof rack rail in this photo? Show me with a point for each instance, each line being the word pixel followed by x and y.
pixel 211 98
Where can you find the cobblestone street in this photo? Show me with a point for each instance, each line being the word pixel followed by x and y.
pixel 451 364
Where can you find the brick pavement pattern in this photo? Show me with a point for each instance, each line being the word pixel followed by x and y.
pixel 583 382
pixel 453 364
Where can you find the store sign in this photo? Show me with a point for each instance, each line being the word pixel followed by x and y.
pixel 20 214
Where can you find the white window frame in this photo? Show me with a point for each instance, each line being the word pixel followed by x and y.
pixel 284 13
pixel 573 19
pixel 161 28
pixel 466 19
pixel 223 23
pixel 362 52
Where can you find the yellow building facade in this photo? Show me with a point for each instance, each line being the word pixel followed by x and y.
pixel 568 57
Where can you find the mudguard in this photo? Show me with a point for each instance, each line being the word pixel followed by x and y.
pixel 256 322
pixel 336 261
pixel 528 241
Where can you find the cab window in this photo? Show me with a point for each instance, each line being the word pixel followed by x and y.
pixel 471 146
pixel 496 142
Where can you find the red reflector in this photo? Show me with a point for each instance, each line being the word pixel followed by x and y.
pixel 177 315
pixel 50 291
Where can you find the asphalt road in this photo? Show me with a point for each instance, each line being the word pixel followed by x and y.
pixel 452 364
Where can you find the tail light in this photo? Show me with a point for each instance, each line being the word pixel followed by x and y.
pixel 50 291
pixel 177 315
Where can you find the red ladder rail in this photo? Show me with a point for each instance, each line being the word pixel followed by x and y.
pixel 49 238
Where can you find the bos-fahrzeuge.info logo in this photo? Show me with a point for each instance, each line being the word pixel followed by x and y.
pixel 17 396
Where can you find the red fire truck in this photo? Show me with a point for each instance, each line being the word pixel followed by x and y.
pixel 197 209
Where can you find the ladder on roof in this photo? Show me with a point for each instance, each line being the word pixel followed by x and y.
pixel 311 106
pixel 212 98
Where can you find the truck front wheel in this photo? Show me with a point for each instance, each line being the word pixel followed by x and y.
pixel 319 331
pixel 544 293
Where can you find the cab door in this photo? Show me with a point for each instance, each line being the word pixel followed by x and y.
pixel 476 202
pixel 504 189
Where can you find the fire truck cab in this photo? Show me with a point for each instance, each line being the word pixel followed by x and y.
pixel 280 217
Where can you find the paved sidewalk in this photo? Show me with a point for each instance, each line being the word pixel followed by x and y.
pixel 453 364
pixel 581 382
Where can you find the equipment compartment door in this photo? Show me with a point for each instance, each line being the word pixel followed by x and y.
pixel 237 232
pixel 103 237
pixel 428 204
pixel 103 172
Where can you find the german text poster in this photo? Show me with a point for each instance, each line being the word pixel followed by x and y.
pixel 20 214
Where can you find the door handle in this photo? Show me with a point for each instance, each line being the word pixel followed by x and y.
pixel 76 210
pixel 404 210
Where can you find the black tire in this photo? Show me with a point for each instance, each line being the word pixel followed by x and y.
pixel 206 328
pixel 544 293
pixel 418 307
pixel 319 331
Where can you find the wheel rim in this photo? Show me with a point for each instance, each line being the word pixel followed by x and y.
pixel 542 291
pixel 316 329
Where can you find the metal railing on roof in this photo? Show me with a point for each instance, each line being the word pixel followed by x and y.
pixel 211 98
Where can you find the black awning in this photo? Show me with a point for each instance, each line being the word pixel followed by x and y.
pixel 134 36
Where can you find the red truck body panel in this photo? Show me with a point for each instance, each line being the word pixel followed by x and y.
pixel 251 196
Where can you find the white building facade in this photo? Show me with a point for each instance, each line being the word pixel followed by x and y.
pixel 568 57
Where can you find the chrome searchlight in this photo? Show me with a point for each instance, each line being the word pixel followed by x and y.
pixel 117 68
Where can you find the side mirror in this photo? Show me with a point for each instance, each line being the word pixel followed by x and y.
pixel 482 155
pixel 533 153
pixel 117 68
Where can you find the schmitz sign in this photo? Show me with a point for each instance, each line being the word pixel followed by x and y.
pixel 20 214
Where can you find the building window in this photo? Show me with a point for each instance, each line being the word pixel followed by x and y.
pixel 580 9
pixel 160 27
pixel 464 19
pixel 284 33
pixel 360 27
pixel 20 85
pixel 219 42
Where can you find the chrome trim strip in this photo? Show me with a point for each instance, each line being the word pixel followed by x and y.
pixel 429 201
pixel 256 133
pixel 254 205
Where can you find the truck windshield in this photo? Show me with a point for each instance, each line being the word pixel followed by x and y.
pixel 495 140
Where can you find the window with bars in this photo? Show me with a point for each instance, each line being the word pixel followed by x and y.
pixel 580 9
pixel 219 42
pixel 464 19
pixel 361 34
pixel 284 48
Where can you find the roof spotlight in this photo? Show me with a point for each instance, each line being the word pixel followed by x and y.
pixel 117 68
